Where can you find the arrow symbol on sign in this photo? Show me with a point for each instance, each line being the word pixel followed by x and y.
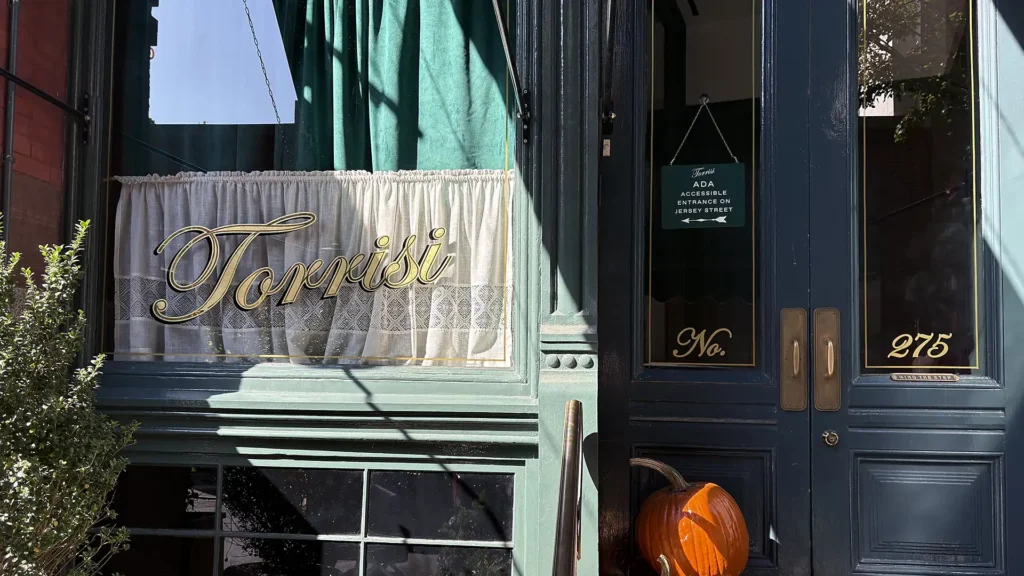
pixel 720 220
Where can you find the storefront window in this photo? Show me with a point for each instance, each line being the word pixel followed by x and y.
pixel 310 181
pixel 292 501
pixel 702 247
pixel 281 521
pixel 402 504
pixel 921 198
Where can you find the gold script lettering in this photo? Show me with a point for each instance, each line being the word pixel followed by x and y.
pixel 376 270
pixel 690 340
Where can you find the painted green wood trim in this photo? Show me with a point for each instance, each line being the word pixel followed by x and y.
pixel 569 164
pixel 249 428
pixel 87 60
pixel 1002 110
pixel 292 372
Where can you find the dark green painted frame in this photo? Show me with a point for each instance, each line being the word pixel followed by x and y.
pixel 487 419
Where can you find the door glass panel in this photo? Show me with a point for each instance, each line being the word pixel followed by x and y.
pixel 702 252
pixel 920 195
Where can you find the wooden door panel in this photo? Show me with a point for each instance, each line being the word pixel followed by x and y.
pixel 745 470
pixel 893 491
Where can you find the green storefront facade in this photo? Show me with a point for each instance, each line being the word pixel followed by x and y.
pixel 351 259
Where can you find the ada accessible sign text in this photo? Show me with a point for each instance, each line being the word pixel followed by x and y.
pixel 703 196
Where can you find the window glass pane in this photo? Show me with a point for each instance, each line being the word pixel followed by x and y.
pixel 166 497
pixel 441 505
pixel 365 149
pixel 292 500
pixel 921 200
pixel 702 250
pixel 407 560
pixel 37 179
pixel 266 557
pixel 163 556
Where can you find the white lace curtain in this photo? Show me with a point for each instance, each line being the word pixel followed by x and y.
pixel 462 318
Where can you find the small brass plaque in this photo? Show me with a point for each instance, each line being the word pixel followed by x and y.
pixel 914 377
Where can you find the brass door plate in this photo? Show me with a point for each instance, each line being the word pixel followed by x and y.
pixel 793 371
pixel 827 355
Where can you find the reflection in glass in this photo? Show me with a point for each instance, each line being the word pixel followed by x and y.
pixel 441 505
pixel 168 497
pixel 388 560
pixel 229 113
pixel 702 261
pixel 36 189
pixel 292 500
pixel 920 197
pixel 267 557
pixel 163 556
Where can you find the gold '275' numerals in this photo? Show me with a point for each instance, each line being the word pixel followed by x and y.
pixel 902 343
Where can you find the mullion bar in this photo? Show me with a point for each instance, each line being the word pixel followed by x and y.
pixel 217 514
pixel 10 76
pixel 352 538
pixel 8 156
pixel 363 521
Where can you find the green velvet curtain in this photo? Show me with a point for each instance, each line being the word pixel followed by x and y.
pixel 381 85
pixel 394 85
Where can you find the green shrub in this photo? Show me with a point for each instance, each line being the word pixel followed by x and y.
pixel 60 456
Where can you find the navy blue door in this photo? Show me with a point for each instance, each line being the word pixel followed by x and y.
pixel 812 276
pixel 914 290
pixel 703 265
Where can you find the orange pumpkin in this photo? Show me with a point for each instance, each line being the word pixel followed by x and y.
pixel 698 528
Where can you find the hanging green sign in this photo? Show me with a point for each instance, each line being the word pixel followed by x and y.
pixel 703 196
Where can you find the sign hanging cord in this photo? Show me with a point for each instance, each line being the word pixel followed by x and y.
pixel 703 106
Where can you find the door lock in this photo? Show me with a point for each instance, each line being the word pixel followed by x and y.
pixel 830 438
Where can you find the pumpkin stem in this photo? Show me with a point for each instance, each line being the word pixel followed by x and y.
pixel 670 473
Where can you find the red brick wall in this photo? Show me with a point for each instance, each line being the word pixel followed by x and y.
pixel 37 183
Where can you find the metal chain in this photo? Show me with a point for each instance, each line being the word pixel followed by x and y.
pixel 259 55
pixel 703 105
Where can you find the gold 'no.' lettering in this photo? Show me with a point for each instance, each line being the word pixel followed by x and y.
pixel 692 341
pixel 401 272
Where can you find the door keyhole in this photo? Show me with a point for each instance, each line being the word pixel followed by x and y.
pixel 830 438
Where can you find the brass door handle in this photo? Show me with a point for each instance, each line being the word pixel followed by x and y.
pixel 796 358
pixel 827 362
pixel 830 358
pixel 792 377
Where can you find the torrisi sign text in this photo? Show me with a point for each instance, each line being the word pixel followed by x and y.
pixel 368 271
